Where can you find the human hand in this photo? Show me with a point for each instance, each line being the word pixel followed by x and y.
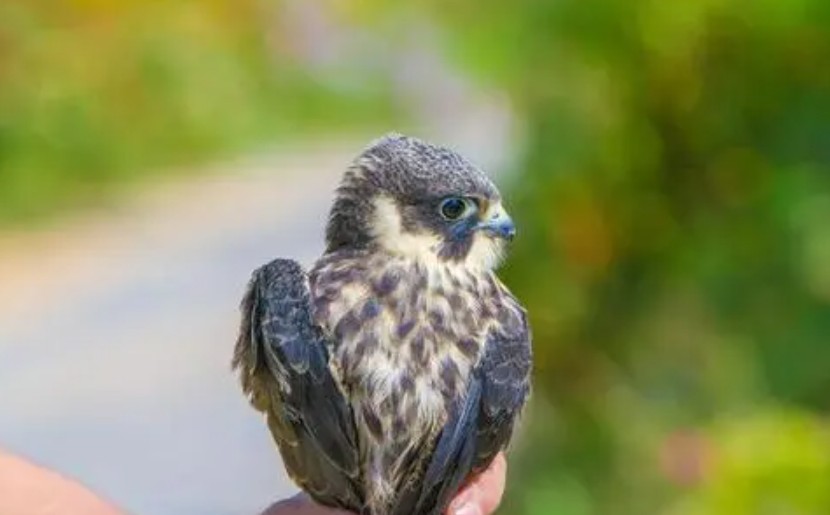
pixel 481 496
pixel 26 489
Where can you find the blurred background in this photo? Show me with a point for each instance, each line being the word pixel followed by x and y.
pixel 668 164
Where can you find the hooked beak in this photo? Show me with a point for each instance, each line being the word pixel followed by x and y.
pixel 498 223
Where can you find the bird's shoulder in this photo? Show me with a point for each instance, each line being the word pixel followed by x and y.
pixel 275 302
pixel 339 267
pixel 335 281
pixel 512 315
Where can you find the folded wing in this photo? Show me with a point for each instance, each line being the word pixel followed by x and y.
pixel 283 362
pixel 481 424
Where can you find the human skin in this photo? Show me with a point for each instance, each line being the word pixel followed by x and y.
pixel 481 496
pixel 27 489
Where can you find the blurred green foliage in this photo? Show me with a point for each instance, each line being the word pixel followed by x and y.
pixel 673 199
pixel 94 93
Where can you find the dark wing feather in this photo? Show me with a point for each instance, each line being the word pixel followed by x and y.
pixel 506 370
pixel 283 362
pixel 481 425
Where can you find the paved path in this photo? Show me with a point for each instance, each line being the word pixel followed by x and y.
pixel 116 330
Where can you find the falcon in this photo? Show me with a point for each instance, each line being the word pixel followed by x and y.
pixel 395 369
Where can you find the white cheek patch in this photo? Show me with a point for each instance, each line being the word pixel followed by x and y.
pixel 486 253
pixel 387 228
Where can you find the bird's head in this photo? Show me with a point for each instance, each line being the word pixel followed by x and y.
pixel 422 201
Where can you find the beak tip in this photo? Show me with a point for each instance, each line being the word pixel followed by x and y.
pixel 503 229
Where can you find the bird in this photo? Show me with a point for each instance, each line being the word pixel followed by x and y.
pixel 396 368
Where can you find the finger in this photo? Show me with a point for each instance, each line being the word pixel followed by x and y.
pixel 29 488
pixel 491 484
pixel 482 495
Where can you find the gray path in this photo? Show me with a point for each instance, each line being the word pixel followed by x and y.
pixel 115 336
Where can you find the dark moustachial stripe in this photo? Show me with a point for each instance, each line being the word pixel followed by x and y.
pixel 455 250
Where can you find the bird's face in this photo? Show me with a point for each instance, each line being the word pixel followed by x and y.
pixel 470 229
pixel 421 201
pixel 462 217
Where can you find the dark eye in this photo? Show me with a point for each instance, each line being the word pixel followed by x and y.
pixel 454 208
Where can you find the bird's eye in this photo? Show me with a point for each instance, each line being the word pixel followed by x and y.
pixel 454 208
